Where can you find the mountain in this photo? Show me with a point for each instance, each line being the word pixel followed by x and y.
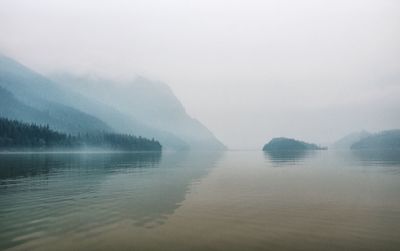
pixel 348 140
pixel 80 106
pixel 152 103
pixel 386 140
pixel 30 97
pixel 58 117
pixel 286 144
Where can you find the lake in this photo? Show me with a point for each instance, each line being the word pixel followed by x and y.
pixel 234 200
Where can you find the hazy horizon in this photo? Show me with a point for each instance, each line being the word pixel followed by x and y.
pixel 248 70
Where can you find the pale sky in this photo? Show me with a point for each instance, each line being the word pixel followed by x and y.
pixel 249 70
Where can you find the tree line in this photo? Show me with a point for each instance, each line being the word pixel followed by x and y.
pixel 19 135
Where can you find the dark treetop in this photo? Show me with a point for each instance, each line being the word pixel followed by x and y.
pixel 15 135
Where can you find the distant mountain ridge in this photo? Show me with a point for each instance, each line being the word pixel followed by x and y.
pixel 29 97
pixel 385 140
pixel 150 102
pixel 347 141
pixel 32 97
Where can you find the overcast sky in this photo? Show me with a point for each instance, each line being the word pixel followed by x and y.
pixel 249 70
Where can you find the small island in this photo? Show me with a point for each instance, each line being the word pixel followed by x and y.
pixel 287 144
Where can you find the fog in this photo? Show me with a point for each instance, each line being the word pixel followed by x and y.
pixel 248 70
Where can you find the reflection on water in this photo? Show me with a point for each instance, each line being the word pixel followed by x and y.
pixel 378 157
pixel 54 194
pixel 200 201
pixel 378 160
pixel 17 166
pixel 282 158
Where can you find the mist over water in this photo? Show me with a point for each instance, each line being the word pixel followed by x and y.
pixel 248 70
pixel 199 125
pixel 216 201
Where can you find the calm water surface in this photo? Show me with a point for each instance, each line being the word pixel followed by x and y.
pixel 234 200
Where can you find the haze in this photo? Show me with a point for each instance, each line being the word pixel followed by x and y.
pixel 248 70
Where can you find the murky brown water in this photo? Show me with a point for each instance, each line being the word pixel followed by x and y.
pixel 200 201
